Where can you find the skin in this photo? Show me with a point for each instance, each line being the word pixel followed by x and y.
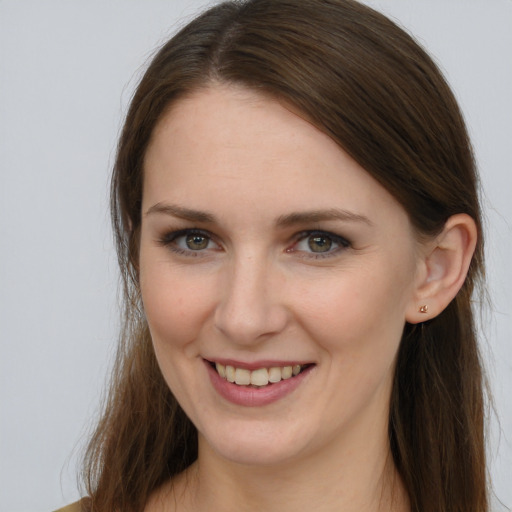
pixel 257 291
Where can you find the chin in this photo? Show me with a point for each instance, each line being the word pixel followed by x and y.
pixel 251 454
pixel 255 445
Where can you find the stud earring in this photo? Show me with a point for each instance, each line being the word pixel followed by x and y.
pixel 423 309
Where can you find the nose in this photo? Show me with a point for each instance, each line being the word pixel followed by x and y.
pixel 251 307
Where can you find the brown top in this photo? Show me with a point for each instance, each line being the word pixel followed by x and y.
pixel 74 507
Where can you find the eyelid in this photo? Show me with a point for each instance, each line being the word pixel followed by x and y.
pixel 168 239
pixel 341 241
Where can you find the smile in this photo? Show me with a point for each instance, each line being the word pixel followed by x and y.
pixel 257 384
pixel 259 377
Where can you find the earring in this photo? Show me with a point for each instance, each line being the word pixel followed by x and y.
pixel 423 309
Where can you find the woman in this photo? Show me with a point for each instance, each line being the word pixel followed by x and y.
pixel 296 211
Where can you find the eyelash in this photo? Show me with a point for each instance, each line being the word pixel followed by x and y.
pixel 341 242
pixel 169 240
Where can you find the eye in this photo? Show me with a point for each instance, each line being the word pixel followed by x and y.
pixel 189 241
pixel 195 241
pixel 319 243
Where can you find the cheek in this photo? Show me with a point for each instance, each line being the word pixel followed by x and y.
pixel 356 312
pixel 175 312
pixel 357 321
pixel 175 305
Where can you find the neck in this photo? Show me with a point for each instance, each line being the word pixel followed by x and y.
pixel 361 478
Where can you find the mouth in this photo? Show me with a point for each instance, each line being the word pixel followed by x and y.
pixel 260 377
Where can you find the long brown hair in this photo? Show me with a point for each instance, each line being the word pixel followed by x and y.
pixel 367 84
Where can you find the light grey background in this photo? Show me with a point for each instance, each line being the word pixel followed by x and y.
pixel 67 70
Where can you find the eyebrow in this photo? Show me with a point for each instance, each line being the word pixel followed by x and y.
pixel 283 221
pixel 181 212
pixel 291 219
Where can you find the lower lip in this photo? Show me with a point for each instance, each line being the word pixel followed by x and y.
pixel 249 396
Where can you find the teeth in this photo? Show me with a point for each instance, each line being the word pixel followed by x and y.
pixel 274 374
pixel 242 377
pixel 221 370
pixel 260 377
pixel 230 373
pixel 286 372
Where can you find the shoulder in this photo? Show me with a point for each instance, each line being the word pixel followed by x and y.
pixel 74 507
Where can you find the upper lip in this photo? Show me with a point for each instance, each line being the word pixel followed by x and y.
pixel 255 365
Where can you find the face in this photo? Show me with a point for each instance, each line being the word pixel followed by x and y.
pixel 270 258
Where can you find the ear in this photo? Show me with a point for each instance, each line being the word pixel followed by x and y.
pixel 443 268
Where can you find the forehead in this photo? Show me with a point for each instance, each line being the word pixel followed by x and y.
pixel 229 147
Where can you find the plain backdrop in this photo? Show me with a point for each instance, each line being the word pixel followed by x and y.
pixel 67 70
